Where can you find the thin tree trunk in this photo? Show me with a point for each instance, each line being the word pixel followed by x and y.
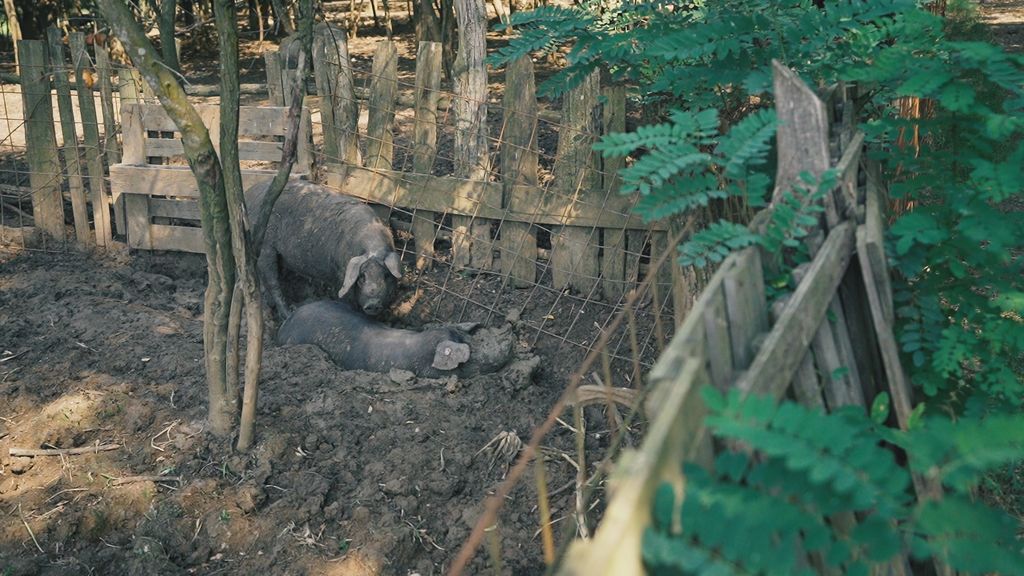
pixel 213 208
pixel 15 28
pixel 168 48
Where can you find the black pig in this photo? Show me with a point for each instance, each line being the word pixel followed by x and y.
pixel 355 342
pixel 330 237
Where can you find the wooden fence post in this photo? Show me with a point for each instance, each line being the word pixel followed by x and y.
pixel 428 86
pixel 90 129
pixel 322 74
pixel 345 108
pixel 40 142
pixel 110 146
pixel 519 158
pixel 72 154
pixel 383 89
pixel 574 248
pixel 613 253
pixel 471 236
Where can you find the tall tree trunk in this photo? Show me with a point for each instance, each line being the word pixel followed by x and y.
pixel 15 28
pixel 281 17
pixel 168 47
pixel 428 25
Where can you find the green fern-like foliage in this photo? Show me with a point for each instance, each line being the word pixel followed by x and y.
pixel 957 253
pixel 817 492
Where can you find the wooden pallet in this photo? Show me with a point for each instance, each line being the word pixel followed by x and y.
pixel 160 193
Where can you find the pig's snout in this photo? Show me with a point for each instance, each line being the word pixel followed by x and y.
pixel 373 308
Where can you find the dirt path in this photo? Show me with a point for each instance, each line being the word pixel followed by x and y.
pixel 1005 18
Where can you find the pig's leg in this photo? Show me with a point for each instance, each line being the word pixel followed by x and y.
pixel 267 265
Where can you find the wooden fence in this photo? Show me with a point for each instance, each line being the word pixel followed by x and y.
pixel 493 216
pixel 830 341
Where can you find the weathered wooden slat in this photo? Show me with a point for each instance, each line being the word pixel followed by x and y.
pixel 304 152
pixel 110 147
pixel 428 90
pixel 874 246
pixel 175 181
pixel 465 197
pixel 574 257
pixel 178 208
pixel 93 153
pixel 380 148
pixel 180 238
pixel 248 150
pixel 137 221
pixel 676 435
pixel 133 132
pixel 745 305
pixel 635 242
pixel 519 158
pixel 252 120
pixel 275 78
pixel 72 157
pixel 780 354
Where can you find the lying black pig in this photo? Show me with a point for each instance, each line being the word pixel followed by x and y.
pixel 355 342
pixel 326 236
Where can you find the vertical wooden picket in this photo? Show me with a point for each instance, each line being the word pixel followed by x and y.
pixel 325 89
pixel 574 249
pixel 519 158
pixel 93 154
pixel 383 91
pixel 428 86
pixel 613 251
pixel 40 142
pixel 72 154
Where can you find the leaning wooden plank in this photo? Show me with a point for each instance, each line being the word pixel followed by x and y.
pixel 806 387
pixel 93 153
pixel 380 149
pixel 343 98
pixel 692 338
pixel 802 135
pixel 519 160
pixel 874 241
pixel 745 307
pixel 41 145
pixel 780 354
pixel 466 197
pixel 834 357
pixel 675 436
pixel 72 156
pixel 574 257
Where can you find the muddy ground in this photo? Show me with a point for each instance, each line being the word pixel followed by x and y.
pixel 354 473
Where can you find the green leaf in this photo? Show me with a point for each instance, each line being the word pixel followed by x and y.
pixel 880 408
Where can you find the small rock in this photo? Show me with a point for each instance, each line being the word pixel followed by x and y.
pixel 399 376
pixel 361 516
pixel 451 384
pixel 395 486
pixel 21 464
pixel 250 497
pixel 513 315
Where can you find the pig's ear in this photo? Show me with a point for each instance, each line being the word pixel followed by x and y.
pixel 393 264
pixel 352 274
pixel 448 355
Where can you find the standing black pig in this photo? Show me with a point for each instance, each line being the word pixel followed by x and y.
pixel 355 342
pixel 327 236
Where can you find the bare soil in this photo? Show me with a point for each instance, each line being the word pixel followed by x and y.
pixel 354 473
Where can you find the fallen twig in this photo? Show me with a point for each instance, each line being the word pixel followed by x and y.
pixel 593 394
pixel 62 451
pixel 29 528
pixel 12 356
pixel 131 479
